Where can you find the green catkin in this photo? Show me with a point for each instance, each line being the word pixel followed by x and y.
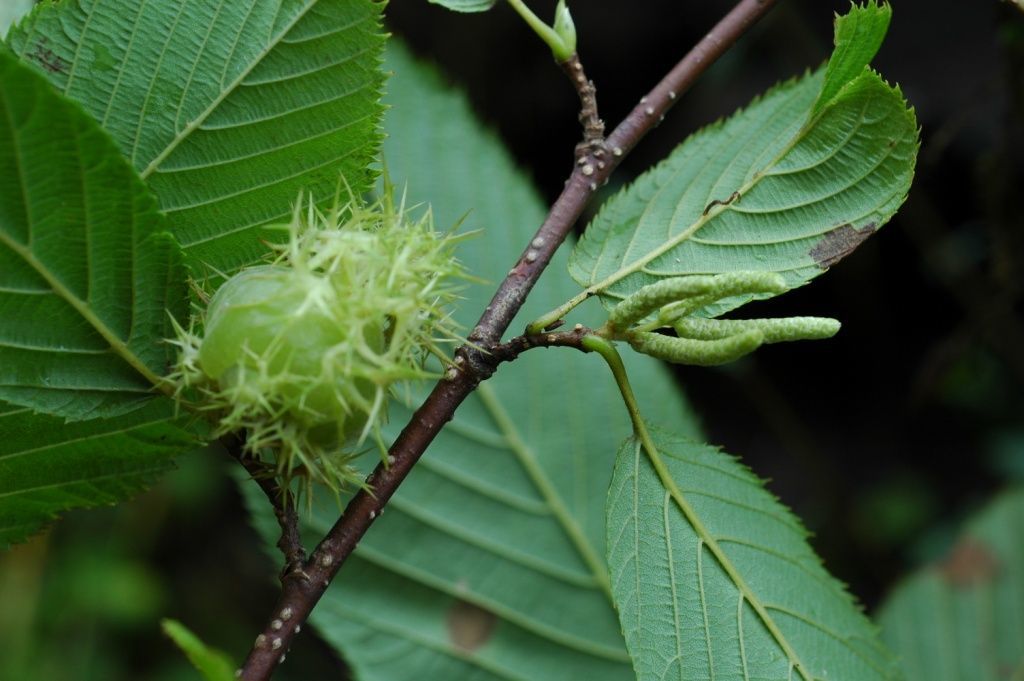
pixel 705 288
pixel 774 330
pixel 726 286
pixel 696 352
pixel 654 296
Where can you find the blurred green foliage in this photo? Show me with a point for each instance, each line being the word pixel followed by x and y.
pixel 83 601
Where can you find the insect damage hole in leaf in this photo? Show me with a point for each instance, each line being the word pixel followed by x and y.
pixel 543 467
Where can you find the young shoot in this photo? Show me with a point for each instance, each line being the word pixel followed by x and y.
pixel 561 37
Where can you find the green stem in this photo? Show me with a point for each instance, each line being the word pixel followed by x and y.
pixel 607 350
pixel 541 323
pixel 546 33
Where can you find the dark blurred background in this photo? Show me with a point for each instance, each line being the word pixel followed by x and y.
pixel 882 439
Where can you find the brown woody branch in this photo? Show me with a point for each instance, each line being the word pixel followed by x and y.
pixel 592 147
pixel 478 361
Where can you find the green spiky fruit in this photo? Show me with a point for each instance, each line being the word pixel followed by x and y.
pixel 270 320
pixel 301 354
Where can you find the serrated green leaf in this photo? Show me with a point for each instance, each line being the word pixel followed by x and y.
pixel 48 466
pixel 962 619
pixel 88 278
pixel 227 109
pixel 858 35
pixel 714 578
pixel 211 663
pixel 488 563
pixel 774 188
pixel 465 5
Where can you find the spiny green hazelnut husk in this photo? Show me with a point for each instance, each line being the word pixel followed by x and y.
pixel 302 353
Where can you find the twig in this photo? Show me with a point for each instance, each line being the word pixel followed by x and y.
pixel 591 149
pixel 510 350
pixel 283 503
pixel 478 361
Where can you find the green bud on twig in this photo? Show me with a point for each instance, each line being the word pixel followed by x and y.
pixel 561 39
pixel 566 29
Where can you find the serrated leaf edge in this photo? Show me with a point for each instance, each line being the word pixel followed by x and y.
pixel 638 264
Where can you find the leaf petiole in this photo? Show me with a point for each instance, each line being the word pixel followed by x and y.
pixel 549 318
pixel 606 349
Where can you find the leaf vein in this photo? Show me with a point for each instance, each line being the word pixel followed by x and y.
pixel 178 139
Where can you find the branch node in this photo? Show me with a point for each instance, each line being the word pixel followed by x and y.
pixel 296 572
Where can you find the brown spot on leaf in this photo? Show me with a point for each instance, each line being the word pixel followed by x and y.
pixel 839 243
pixel 469 626
pixel 970 562
pixel 46 58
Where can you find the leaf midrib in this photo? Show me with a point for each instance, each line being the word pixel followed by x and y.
pixel 723 560
pixel 524 560
pixel 58 287
pixel 219 99
pixel 718 154
pixel 4 458
pixel 80 306
pixel 116 475
pixel 657 462
pixel 511 440
pixel 524 454
pixel 638 264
